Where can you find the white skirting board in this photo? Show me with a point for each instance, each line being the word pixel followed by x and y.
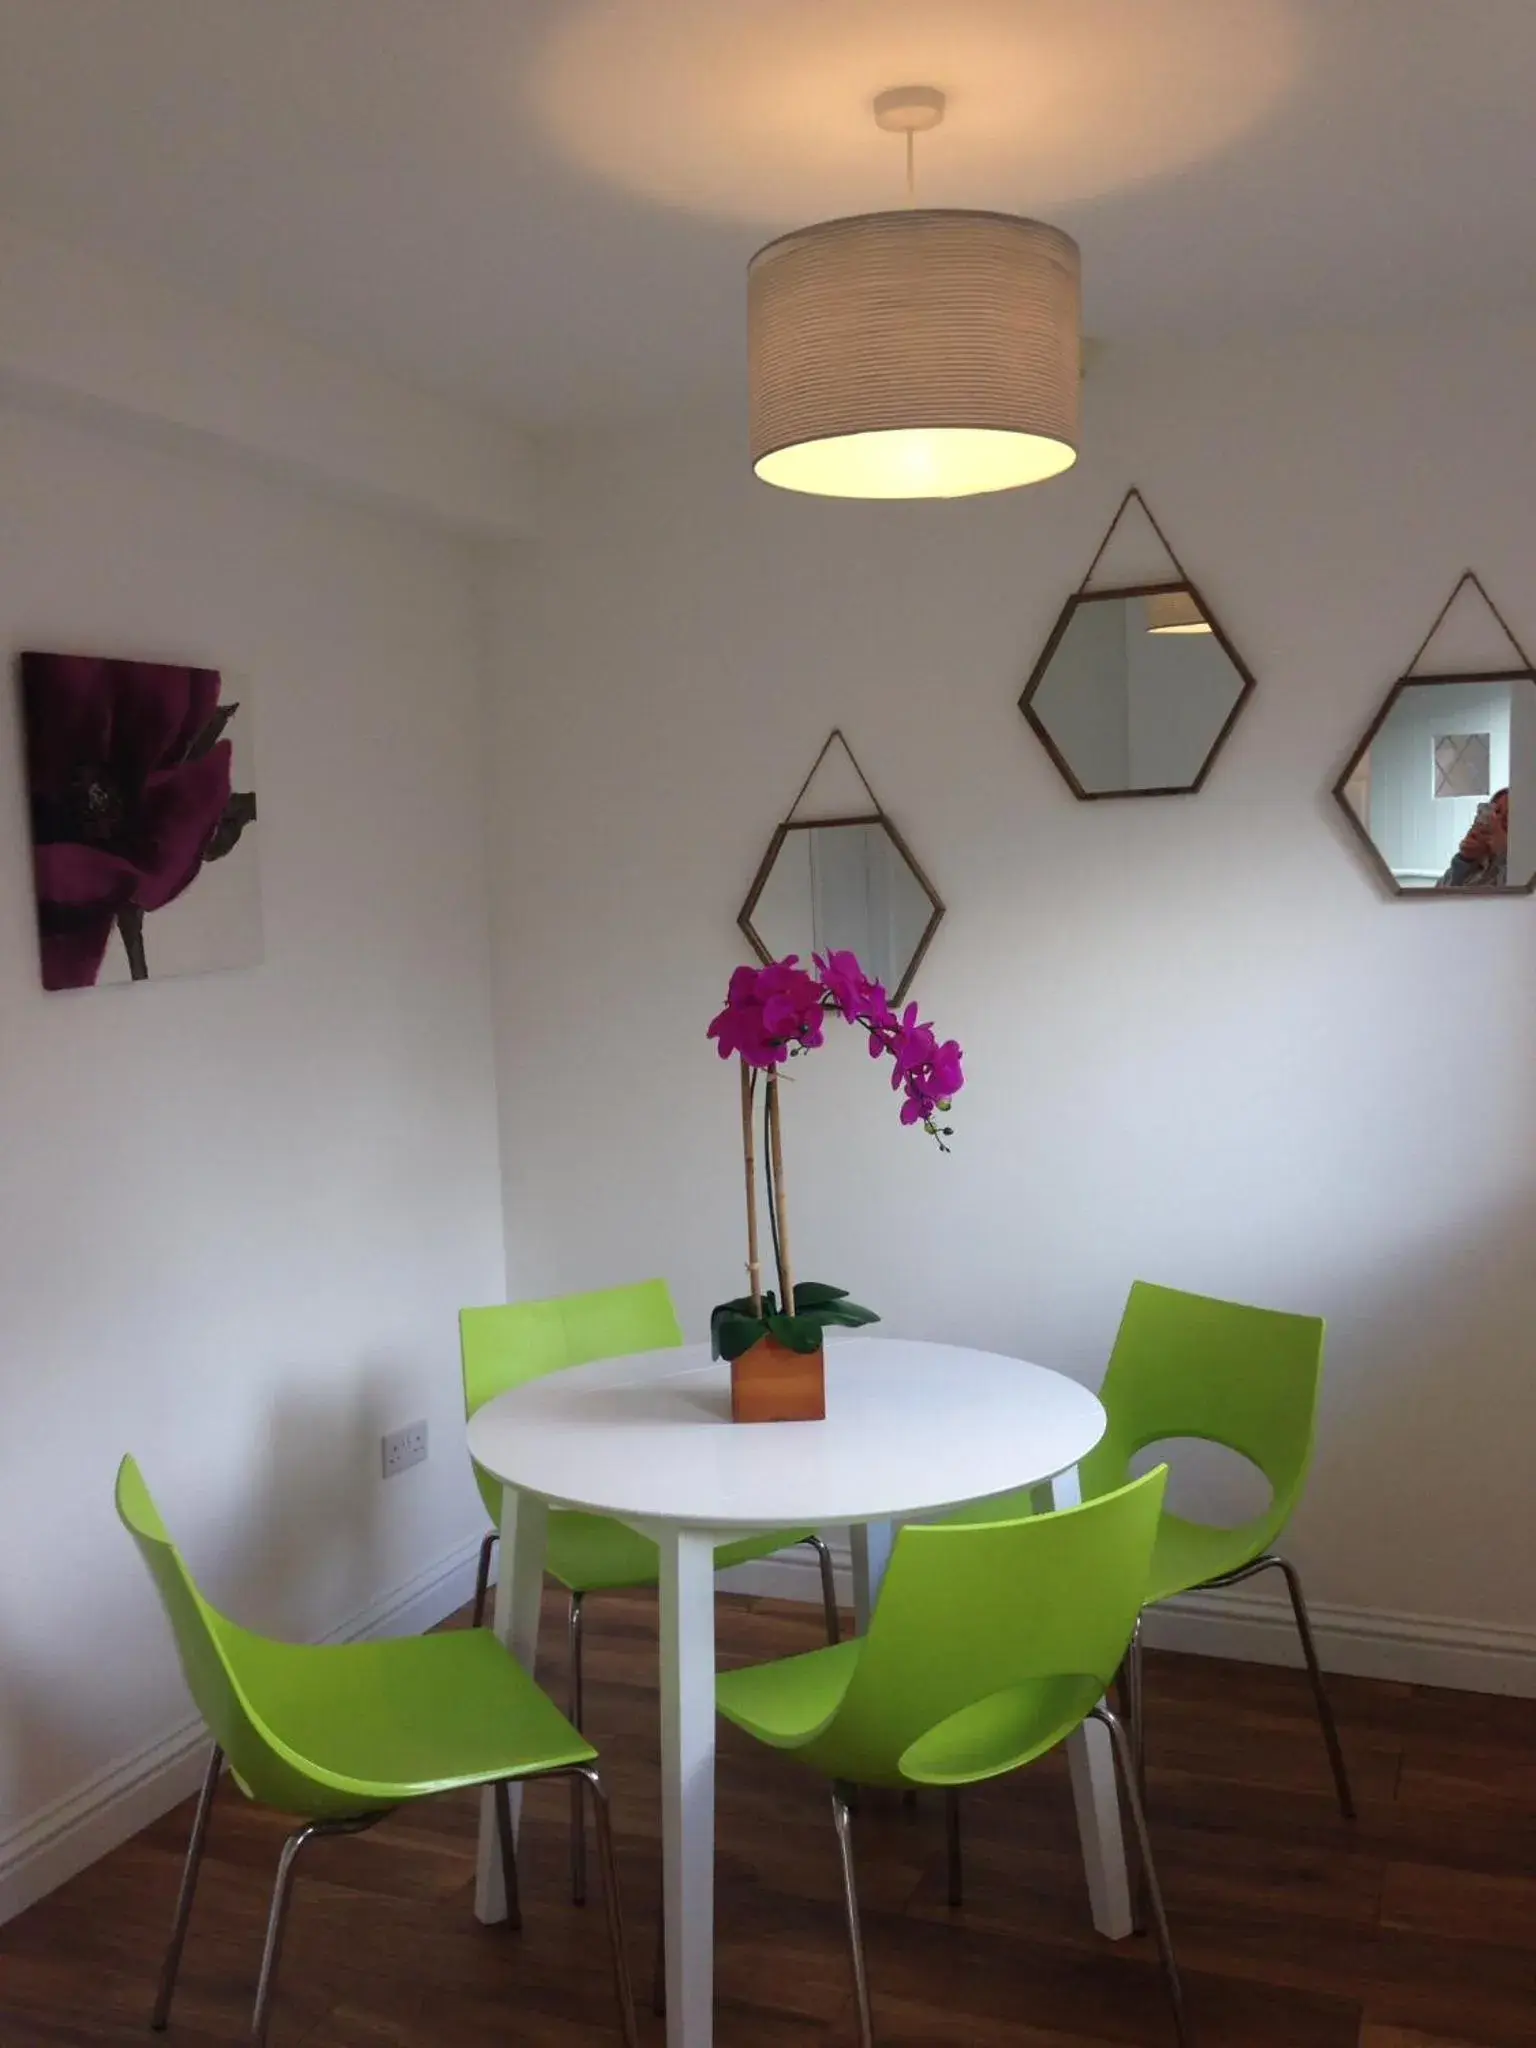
pixel 45 1848
pixel 1415 1649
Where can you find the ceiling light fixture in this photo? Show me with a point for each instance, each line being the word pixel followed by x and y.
pixel 1175 611
pixel 928 353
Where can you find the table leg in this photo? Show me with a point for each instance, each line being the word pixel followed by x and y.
pixel 519 1596
pixel 1096 1796
pixel 871 1544
pixel 688 1782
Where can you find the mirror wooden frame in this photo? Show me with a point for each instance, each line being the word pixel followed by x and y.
pixel 1038 674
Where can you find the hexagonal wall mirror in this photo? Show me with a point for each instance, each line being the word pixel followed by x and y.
pixel 1138 686
pixel 1441 790
pixel 846 881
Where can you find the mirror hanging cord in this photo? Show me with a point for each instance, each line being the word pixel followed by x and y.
pixel 835 734
pixel 1166 544
pixel 1467 576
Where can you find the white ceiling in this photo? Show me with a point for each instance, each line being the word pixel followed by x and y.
pixel 546 205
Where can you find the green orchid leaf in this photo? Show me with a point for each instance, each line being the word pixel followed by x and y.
pixel 848 1315
pixel 807 1333
pixel 815 1294
pixel 733 1334
pixel 725 1315
pixel 796 1333
pixel 743 1305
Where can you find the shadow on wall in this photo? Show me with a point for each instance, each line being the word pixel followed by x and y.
pixel 1430 1391
pixel 303 1550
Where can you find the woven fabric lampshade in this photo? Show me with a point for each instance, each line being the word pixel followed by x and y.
pixel 1175 611
pixel 931 353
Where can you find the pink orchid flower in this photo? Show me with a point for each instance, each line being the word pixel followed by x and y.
pixel 769 1011
pixel 859 999
pixel 778 1009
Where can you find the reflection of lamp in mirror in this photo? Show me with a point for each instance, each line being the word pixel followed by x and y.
pixel 931 353
pixel 1175 611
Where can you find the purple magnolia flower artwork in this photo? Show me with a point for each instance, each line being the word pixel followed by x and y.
pixel 142 853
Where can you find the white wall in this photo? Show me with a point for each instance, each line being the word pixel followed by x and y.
pixel 1202 1046
pixel 91 336
pixel 239 1213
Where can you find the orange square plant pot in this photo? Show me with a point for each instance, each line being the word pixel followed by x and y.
pixel 771 1383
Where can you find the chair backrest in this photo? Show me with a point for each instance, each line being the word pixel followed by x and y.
pixel 212 1650
pixel 1186 1365
pixel 518 1341
pixel 970 1613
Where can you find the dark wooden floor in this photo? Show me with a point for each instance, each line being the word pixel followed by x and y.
pixel 1414 1928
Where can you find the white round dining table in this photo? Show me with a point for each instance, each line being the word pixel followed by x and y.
pixel 910 1428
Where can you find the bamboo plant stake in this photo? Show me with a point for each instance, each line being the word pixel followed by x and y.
pixel 749 1155
pixel 781 1213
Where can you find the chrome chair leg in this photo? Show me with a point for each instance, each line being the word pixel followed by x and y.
pixel 277 1921
pixel 578 1809
pixel 842 1820
pixel 828 1588
pixel 1125 1762
pixel 952 1830
pixel 586 1777
pixel 1271 1562
pixel 277 1918
pixel 483 1579
pixel 1133 1693
pixel 1326 1721
pixel 501 1794
pixel 170 1968
pixel 1138 1730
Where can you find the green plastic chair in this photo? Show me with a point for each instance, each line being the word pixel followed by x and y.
pixel 341 1736
pixel 507 1346
pixel 1187 1365
pixel 990 1644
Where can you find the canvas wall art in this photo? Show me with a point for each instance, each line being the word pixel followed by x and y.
pixel 143 810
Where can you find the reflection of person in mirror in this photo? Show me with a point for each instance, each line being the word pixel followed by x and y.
pixel 1482 858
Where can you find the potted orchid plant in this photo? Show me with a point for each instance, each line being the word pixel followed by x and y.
pixel 773 1338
